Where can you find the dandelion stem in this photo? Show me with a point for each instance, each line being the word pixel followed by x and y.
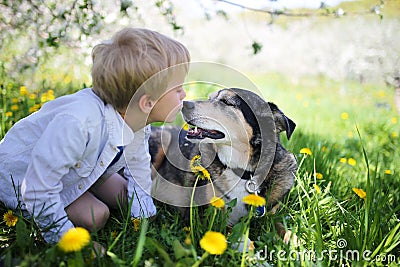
pixel 213 218
pixel 247 229
pixel 215 210
pixel 197 263
pixel 191 210
pixel 212 186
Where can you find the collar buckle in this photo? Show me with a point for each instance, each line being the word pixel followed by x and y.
pixel 251 186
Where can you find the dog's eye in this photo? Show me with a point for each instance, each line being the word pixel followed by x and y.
pixel 228 101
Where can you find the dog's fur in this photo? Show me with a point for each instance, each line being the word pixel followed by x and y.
pixel 249 141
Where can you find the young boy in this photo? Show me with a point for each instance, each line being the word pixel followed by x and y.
pixel 61 164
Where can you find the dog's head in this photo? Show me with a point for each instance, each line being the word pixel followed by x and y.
pixel 239 122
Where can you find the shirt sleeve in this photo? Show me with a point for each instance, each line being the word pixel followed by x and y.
pixel 59 147
pixel 138 173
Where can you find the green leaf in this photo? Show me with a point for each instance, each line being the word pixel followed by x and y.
pixel 256 47
pixel 154 246
pixel 23 234
pixel 141 242
pixel 237 232
pixel 115 259
pixel 179 250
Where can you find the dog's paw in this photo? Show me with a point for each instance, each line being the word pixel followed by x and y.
pixel 291 238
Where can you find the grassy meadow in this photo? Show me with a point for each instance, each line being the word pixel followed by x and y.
pixel 344 207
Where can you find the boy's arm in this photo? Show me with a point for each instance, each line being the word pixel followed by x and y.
pixel 57 150
pixel 138 173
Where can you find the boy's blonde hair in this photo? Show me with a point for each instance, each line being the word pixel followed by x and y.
pixel 122 65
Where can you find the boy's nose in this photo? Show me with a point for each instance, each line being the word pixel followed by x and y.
pixel 188 104
pixel 183 95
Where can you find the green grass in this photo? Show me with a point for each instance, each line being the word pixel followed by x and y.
pixel 335 226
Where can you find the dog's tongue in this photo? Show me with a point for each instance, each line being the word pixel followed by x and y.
pixel 199 133
pixel 195 133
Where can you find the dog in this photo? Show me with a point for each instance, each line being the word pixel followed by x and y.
pixel 237 134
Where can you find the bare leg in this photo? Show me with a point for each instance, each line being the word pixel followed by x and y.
pixel 112 191
pixel 88 212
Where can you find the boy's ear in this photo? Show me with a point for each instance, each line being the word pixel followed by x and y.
pixel 146 104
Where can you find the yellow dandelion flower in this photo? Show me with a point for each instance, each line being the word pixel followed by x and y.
pixel 114 234
pixel 254 200
pixel 361 193
pixel 195 167
pixel 206 174
pixel 14 107
pixel 388 172
pixel 14 100
pixel 324 149
pixel 343 160
pixel 188 240
pixel 350 134
pixel 394 120
pixel 23 91
pixel 317 189
pixel 9 114
pixel 50 92
pixel 251 245
pixel 33 109
pixel 74 239
pixel 10 219
pixel 50 97
pixel 352 162
pixel 319 175
pixel 195 163
pixel 136 224
pixel 395 135
pixel 67 79
pixel 43 98
pixel 344 116
pixel 214 243
pixel 306 151
pixel 186 229
pixel 381 94
pixel 32 96
pixel 217 202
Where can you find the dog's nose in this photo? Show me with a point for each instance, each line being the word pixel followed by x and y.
pixel 188 104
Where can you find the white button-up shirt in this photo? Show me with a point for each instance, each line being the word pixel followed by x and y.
pixel 53 156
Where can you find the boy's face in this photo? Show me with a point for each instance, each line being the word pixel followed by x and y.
pixel 168 106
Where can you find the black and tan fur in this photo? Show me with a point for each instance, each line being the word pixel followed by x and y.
pixel 250 146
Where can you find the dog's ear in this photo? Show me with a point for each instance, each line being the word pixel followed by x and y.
pixel 282 123
pixel 290 126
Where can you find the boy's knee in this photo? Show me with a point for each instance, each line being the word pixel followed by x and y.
pixel 99 216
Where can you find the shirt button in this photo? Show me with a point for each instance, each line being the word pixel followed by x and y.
pixel 101 163
pixel 80 186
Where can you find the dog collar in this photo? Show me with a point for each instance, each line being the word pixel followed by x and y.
pixel 251 187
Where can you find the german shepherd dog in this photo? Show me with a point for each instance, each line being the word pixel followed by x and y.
pixel 237 134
